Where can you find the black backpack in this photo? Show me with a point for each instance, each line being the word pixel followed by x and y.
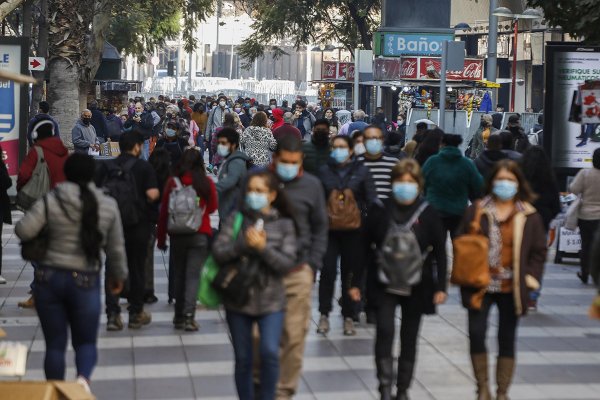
pixel 120 184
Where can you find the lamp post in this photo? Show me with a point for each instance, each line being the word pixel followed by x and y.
pixel 505 12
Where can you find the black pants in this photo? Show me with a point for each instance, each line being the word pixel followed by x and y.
pixel 587 230
pixel 451 223
pixel 1 226
pixel 348 246
pixel 409 332
pixel 507 324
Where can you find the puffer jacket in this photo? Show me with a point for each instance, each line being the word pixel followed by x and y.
pixel 258 143
pixel 64 246
pixel 275 261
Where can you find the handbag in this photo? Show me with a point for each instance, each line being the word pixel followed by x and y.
pixel 471 266
pixel 34 250
pixel 207 294
pixel 572 214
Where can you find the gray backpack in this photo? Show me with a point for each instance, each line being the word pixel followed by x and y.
pixel 400 261
pixel 38 185
pixel 185 213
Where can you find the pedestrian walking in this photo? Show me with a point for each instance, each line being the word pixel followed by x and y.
pixel 6 216
pixel 43 110
pixel 430 145
pixel 317 150
pixel 232 173
pixel 173 141
pixel 287 128
pixel 350 191
pixel 517 252
pixel 80 221
pixel 266 250
pixel 480 140
pixel 490 156
pixel 258 142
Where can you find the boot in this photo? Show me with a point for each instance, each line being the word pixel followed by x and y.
pixel 405 375
pixel 190 324
pixel 385 375
pixel 504 373
pixel 480 370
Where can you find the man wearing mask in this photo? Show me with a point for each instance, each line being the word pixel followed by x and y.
pixel 304 120
pixel 143 122
pixel 307 200
pixel 232 171
pixel 84 135
pixel 215 120
pixel 272 104
pixel 317 150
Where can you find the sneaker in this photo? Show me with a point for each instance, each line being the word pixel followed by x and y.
pixel 349 327
pixel 2 280
pixel 581 144
pixel 190 324
pixel 323 327
pixel 532 305
pixel 114 323
pixel 178 322
pixel 150 299
pixel 136 321
pixel 84 383
pixel 29 303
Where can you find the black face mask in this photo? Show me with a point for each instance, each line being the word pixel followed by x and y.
pixel 86 121
pixel 321 137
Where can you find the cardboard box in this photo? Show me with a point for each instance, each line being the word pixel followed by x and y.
pixel 47 390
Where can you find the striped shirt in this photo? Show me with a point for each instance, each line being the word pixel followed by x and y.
pixel 381 171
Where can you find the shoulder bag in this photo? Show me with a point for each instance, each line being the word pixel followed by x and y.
pixel 34 250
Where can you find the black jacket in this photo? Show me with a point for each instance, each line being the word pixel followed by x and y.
pixel 430 232
pixel 486 160
pixel 5 184
pixel 99 123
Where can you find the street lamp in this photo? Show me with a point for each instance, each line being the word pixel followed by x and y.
pixel 506 12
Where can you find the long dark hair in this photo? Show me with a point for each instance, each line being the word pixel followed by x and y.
pixel 537 168
pixel 191 161
pixel 281 202
pixel 80 169
pixel 430 145
pixel 524 194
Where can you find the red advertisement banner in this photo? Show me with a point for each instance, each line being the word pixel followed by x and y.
pixel 424 68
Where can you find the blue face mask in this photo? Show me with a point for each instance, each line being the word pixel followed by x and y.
pixel 170 132
pixel 405 192
pixel 256 201
pixel 223 150
pixel 374 146
pixel 287 172
pixel 505 189
pixel 340 155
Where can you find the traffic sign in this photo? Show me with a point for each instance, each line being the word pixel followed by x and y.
pixel 37 63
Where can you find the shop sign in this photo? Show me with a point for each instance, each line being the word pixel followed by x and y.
pixel 338 71
pixel 430 69
pixel 329 70
pixel 423 44
pixel 424 68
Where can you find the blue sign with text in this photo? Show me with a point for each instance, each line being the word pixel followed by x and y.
pixel 414 44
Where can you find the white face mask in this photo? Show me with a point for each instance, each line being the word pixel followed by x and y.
pixel 222 104
pixel 359 149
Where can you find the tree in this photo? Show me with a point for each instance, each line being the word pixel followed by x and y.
pixel 579 18
pixel 350 23
pixel 8 6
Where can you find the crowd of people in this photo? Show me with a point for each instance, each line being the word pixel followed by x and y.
pixel 299 192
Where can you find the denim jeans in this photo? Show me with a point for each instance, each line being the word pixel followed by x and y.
pixel 270 327
pixel 66 298
pixel 146 150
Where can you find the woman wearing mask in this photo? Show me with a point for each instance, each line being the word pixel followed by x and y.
pixel 242 115
pixel 81 221
pixel 172 142
pixel 258 142
pixel 358 138
pixel 517 251
pixel 266 240
pixel 343 172
pixel 189 251
pixel 407 206
pixel 586 184
pixel 330 116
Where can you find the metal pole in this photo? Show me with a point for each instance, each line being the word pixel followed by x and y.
pixel 356 100
pixel 513 89
pixel 442 119
pixel 492 60
pixel 217 45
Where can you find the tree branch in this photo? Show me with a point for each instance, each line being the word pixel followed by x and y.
pixel 8 6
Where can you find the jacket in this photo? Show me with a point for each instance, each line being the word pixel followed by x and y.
pixel 258 143
pixel 520 142
pixel 209 205
pixel 587 184
pixel 487 159
pixel 99 123
pixel 5 184
pixel 55 155
pixel 547 202
pixel 529 247
pixel 305 123
pixel 450 181
pixel 478 145
pixel 358 126
pixel 354 176
pixel 430 234
pixel 64 243
pixel 231 175
pixel 277 119
pixel 200 120
pixel 83 137
pixel 37 118
pixel 286 129
pixel 315 157
pixel 214 121
pixel 145 126
pixel 267 295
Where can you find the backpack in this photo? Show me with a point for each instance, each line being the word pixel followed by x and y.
pixel 342 208
pixel 38 185
pixel 185 214
pixel 399 260
pixel 120 184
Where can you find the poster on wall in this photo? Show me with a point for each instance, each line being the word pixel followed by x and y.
pixel 573 125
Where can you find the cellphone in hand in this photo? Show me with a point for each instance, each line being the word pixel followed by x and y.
pixel 259 225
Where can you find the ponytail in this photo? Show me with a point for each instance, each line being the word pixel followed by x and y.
pixel 90 235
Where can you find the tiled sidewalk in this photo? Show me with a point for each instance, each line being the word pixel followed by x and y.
pixel 559 349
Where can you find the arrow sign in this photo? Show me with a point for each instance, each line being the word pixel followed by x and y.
pixel 37 63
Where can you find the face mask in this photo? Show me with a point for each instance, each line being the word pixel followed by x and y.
pixel 222 103
pixel 374 146
pixel 170 132
pixel 273 106
pixel 359 149
pixel 287 172
pixel 86 121
pixel 237 110
pixel 256 201
pixel 215 106
pixel 505 189
pixel 246 104
pixel 340 155
pixel 400 121
pixel 405 192
pixel 137 114
pixel 223 150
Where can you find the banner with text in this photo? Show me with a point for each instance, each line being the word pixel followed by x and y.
pixel 338 71
pixel 424 68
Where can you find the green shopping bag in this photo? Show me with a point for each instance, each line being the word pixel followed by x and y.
pixel 207 295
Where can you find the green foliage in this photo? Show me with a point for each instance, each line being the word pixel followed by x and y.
pixel 579 18
pixel 301 22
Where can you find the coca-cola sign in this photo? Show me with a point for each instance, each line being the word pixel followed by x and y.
pixel 337 71
pixel 424 68
pixel 408 67
pixel 329 70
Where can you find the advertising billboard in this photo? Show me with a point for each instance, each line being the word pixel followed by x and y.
pixel 571 128
pixel 424 68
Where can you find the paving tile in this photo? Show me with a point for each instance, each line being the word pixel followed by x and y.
pixel 106 390
pixel 164 388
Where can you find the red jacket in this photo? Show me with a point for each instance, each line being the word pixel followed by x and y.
pixel 277 118
pixel 55 154
pixel 210 204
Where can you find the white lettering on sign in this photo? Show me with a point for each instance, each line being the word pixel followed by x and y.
pixel 409 68
pixel 418 45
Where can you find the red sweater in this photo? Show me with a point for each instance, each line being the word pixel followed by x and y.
pixel 211 206
pixel 55 154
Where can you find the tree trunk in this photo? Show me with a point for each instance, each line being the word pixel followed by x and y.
pixel 63 91
pixel 37 92
pixel 8 6
pixel 362 26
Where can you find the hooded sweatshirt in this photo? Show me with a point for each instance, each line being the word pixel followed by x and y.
pixel 83 136
pixel 450 181
pixel 277 118
pixel 55 155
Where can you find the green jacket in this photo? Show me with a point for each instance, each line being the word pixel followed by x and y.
pixel 315 157
pixel 450 181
